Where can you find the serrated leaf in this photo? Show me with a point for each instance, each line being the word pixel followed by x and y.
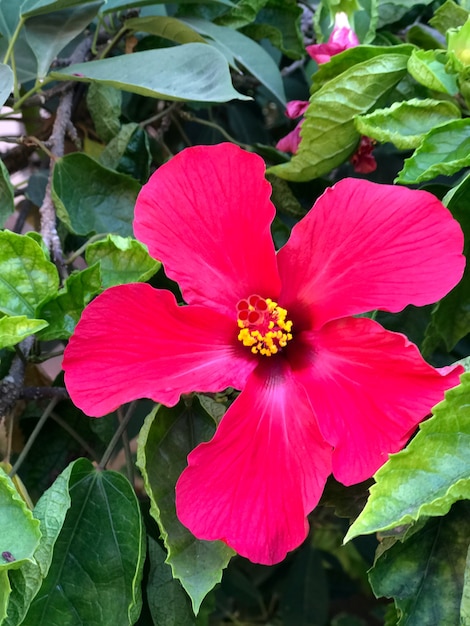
pixel 14 329
pixel 48 34
pixel 429 475
pixel 450 319
pixel 328 132
pixel 449 15
pixel 248 53
pixel 425 574
pixel 20 531
pixel 6 83
pixel 168 603
pixel 121 260
pixel 63 311
pixel 27 277
pixel 129 152
pixel 165 440
pixel 444 150
pixel 406 123
pixel 91 198
pixel 50 510
pixel 95 574
pixel 104 105
pixel 7 195
pixel 179 73
pixel 167 27
pixel 427 69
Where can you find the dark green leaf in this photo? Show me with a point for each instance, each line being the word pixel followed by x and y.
pixel 91 198
pixel 16 328
pixel 63 311
pixel 167 437
pixel 104 105
pixel 95 574
pixel 27 277
pixel 425 574
pixel 116 5
pixel 429 475
pixel 444 150
pixel 178 73
pixel 328 132
pixel 129 152
pixel 121 260
pixel 449 15
pixel 426 67
pixel 7 204
pixel 6 87
pixel 169 604
pixel 167 27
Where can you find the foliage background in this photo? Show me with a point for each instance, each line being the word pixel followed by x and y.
pixel 106 91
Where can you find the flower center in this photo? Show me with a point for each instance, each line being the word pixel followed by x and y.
pixel 263 325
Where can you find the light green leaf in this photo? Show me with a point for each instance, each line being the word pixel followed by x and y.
pixel 121 260
pixel 104 105
pixel 429 475
pixel 178 73
pixel 50 510
pixel 406 123
pixel 165 440
pixel 7 194
pixel 15 329
pixel 6 83
pixel 425 67
pixel 96 568
pixel 63 311
pixel 91 198
pixel 5 591
pixel 27 277
pixel 39 7
pixel 167 27
pixel 425 574
pixel 20 531
pixel 248 53
pixel 48 34
pixel 117 5
pixel 449 15
pixel 328 132
pixel 129 152
pixel 444 150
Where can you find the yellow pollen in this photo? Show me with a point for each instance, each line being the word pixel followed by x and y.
pixel 263 325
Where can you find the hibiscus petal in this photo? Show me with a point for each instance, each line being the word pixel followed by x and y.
pixel 134 341
pixel 206 215
pixel 254 483
pixel 291 141
pixel 365 246
pixel 369 389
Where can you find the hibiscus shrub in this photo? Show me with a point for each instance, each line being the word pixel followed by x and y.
pixel 232 345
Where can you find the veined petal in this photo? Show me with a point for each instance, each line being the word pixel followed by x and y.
pixel 291 141
pixel 134 341
pixel 365 246
pixel 206 215
pixel 264 470
pixel 369 389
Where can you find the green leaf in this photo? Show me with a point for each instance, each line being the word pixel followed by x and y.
pixel 169 604
pixel 63 311
pixel 179 73
pixel 167 27
pixel 15 329
pixel 429 475
pixel 328 132
pixel 444 150
pixel 450 319
pixel 425 574
pixel 96 569
pixel 48 34
pixel 50 510
pixel 27 277
pixel 243 13
pixel 406 123
pixel 6 84
pixel 20 531
pixel 7 194
pixel 165 440
pixel 425 67
pixel 40 7
pixel 129 152
pixel 246 52
pixel 104 105
pixel 5 591
pixel 449 15
pixel 121 260
pixel 91 198
pixel 116 5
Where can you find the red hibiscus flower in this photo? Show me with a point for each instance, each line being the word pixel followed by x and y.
pixel 321 390
pixel 341 38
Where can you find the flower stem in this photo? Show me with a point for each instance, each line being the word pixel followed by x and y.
pixel 117 435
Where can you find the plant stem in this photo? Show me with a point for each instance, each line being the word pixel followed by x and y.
pixel 117 435
pixel 127 449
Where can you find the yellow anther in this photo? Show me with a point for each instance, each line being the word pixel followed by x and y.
pixel 263 325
